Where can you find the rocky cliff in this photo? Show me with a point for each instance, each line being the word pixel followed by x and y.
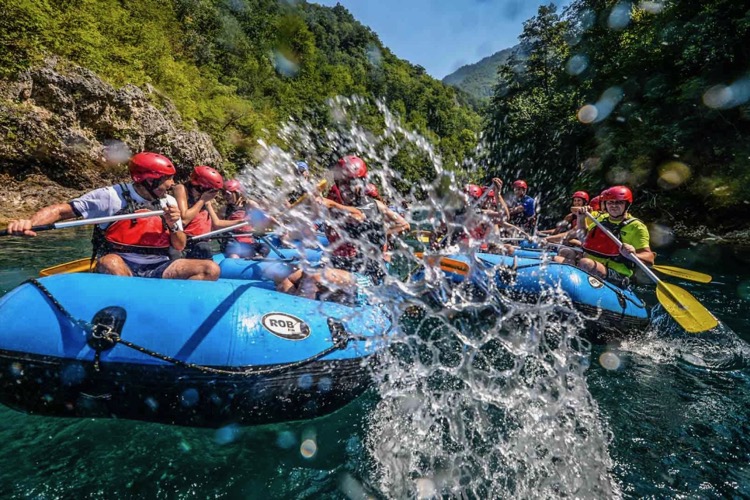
pixel 64 131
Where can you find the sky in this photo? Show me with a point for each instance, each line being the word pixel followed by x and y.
pixel 443 35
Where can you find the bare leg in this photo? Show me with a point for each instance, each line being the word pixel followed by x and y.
pixel 112 264
pixel 566 256
pixel 192 269
pixel 593 267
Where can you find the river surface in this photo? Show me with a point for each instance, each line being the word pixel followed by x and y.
pixel 673 411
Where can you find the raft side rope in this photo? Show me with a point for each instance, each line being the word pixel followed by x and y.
pixel 104 337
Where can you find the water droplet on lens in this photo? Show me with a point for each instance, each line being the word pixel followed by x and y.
pixel 609 361
pixel 718 97
pixel 588 113
pixel 743 290
pixel 308 448
pixel 577 64
pixel 324 385
pixel 619 18
pixel 285 440
pixel 152 403
pixel 189 398
pixel 305 381
pixel 227 434
pixel 426 488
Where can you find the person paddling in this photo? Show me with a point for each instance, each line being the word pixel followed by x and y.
pixel 601 256
pixel 564 230
pixel 522 208
pixel 238 208
pixel 131 248
pixel 356 231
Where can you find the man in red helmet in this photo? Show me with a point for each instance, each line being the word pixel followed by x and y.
pixel 194 201
pixel 357 234
pixel 137 247
pixel 522 208
pixel 601 256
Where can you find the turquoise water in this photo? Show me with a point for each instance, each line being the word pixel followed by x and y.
pixel 674 416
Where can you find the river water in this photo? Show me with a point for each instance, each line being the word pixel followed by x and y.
pixel 668 416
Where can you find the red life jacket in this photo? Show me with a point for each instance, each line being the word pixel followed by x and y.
pixel 149 235
pixel 371 229
pixel 343 249
pixel 201 223
pixel 240 214
pixel 599 244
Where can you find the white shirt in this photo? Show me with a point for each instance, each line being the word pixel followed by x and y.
pixel 109 200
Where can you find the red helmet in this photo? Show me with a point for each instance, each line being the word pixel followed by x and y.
pixel 595 203
pixel 491 194
pixel 351 167
pixel 233 186
pixel 520 184
pixel 371 190
pixel 206 177
pixel 617 193
pixel 473 190
pixel 145 166
pixel 582 195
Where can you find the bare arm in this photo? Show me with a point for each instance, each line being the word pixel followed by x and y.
pixel 332 205
pixel 216 222
pixel 189 213
pixel 46 215
pixel 396 223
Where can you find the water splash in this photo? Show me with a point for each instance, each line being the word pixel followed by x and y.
pixel 480 394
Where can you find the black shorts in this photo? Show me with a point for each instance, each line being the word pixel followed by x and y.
pixel 617 279
pixel 155 270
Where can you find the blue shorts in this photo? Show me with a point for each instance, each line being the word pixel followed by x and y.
pixel 148 270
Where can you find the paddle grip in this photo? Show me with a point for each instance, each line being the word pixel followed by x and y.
pixel 43 227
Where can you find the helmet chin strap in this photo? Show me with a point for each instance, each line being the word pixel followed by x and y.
pixel 149 186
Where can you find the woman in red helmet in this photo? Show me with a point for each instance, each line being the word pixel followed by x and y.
pixel 570 222
pixel 138 247
pixel 239 208
pixel 601 255
pixel 193 199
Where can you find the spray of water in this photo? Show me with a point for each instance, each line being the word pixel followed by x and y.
pixel 480 395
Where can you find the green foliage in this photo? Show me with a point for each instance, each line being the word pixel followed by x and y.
pixel 651 80
pixel 238 68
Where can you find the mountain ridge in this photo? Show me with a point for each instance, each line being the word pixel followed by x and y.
pixel 478 79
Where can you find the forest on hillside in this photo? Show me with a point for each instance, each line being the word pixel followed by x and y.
pixel 655 95
pixel 239 69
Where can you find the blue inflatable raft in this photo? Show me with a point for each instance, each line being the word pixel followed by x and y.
pixel 182 352
pixel 608 310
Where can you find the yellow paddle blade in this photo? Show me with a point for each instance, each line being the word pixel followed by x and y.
pixel 446 264
pixel 321 186
pixel 684 308
pixel 74 266
pixel 685 274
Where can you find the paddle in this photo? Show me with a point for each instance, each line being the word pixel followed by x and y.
pixel 321 186
pixel 677 272
pixel 683 307
pixel 216 232
pixel 446 263
pixel 90 222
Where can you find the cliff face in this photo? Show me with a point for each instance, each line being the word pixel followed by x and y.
pixel 64 131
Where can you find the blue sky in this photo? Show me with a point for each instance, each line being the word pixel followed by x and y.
pixel 443 35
